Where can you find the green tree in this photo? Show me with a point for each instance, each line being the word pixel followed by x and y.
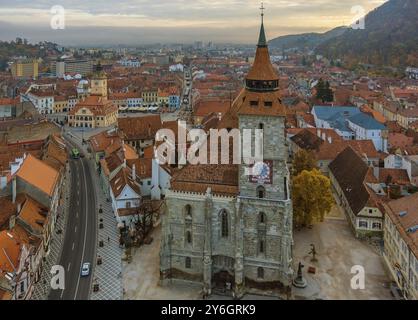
pixel 320 89
pixel 328 95
pixel 312 197
pixel 303 160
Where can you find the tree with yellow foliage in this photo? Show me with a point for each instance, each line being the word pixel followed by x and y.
pixel 303 160
pixel 312 197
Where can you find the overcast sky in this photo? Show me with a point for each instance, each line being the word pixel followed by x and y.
pixel 98 22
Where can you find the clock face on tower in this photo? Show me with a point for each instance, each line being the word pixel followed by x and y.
pixel 262 172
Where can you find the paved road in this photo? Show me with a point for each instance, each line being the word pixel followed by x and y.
pixel 80 234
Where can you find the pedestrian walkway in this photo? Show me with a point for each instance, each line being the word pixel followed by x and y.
pixel 109 274
pixel 42 287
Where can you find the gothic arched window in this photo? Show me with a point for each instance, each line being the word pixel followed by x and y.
pixel 261 192
pixel 189 237
pixel 262 218
pixel 224 224
pixel 188 212
pixel 261 246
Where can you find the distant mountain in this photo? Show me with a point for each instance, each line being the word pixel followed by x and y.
pixel 390 37
pixel 306 40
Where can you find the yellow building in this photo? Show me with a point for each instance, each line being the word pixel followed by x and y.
pixel 98 85
pixel 60 104
pixel 150 95
pixel 93 112
pixel 27 68
pixel 163 97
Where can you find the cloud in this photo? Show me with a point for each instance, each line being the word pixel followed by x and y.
pixel 171 20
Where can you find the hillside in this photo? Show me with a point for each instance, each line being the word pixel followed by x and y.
pixel 306 40
pixel 390 37
pixel 22 48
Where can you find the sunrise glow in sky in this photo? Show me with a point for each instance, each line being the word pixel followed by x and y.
pixel 144 21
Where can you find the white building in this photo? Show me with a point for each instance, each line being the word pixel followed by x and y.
pixel 366 127
pixel 161 176
pixel 125 193
pixel 401 246
pixel 42 100
pixel 408 163
pixel 176 68
pixel 130 63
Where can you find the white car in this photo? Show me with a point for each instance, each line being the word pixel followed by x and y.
pixel 85 269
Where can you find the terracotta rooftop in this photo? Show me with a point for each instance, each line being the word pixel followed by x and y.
pixel 8 209
pixel 394 176
pixel 352 178
pixel 55 153
pixel 140 128
pixel 10 249
pixel 38 174
pixel 101 141
pixel 143 167
pixel 124 178
pixel 34 215
pixel 98 105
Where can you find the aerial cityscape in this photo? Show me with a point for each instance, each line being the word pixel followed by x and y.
pixel 234 150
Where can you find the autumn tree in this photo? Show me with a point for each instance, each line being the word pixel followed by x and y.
pixel 312 197
pixel 303 160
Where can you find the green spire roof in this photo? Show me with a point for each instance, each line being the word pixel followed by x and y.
pixel 262 42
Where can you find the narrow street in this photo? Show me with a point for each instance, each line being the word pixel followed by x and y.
pixel 80 234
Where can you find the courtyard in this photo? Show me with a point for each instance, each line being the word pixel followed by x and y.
pixel 337 252
pixel 141 276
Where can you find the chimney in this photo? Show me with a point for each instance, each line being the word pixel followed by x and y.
pixel 133 172
pixel 324 136
pixel 330 140
pixel 318 133
pixel 12 222
pixel 14 189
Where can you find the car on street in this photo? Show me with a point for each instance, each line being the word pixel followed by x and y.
pixel 85 269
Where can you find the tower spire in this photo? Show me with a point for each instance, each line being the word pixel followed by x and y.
pixel 262 42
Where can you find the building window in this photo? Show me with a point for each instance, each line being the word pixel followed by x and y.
pixel 261 246
pixel 128 204
pixel 260 273
pixel 377 225
pixel 286 196
pixel 224 224
pixel 261 192
pixel 262 218
pixel 261 126
pixel 254 103
pixel 268 104
pixel 188 211
pixel 188 262
pixel 189 237
pixel 363 224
